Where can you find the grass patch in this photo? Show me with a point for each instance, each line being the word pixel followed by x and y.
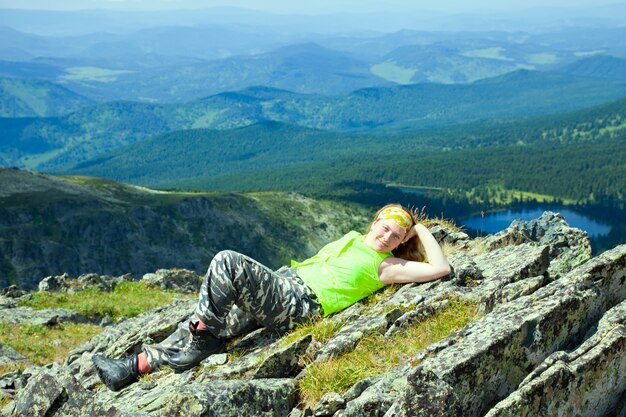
pixel 376 354
pixel 4 400
pixel 5 368
pixel 321 330
pixel 379 295
pixel 393 72
pixel 128 299
pixel 44 344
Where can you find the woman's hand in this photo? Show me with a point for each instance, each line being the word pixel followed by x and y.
pixel 412 232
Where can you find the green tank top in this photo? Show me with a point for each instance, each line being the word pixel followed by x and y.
pixel 342 272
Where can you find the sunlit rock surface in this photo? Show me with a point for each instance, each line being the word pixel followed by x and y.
pixel 551 342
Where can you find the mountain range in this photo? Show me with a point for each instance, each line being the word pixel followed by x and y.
pixel 93 131
pixel 182 63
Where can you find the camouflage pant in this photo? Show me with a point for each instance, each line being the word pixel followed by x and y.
pixel 239 294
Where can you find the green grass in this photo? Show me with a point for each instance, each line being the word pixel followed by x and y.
pixel 44 344
pixel 391 71
pixel 375 354
pixel 128 299
pixel 321 330
pixel 4 400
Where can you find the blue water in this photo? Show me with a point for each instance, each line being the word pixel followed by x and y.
pixel 494 222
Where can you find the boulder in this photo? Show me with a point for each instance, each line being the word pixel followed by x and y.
pixel 44 317
pixel 179 280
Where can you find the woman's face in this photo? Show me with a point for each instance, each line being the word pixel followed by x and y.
pixel 385 235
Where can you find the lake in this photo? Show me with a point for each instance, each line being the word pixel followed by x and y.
pixel 494 222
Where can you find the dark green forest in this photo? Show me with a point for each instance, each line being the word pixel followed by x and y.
pixel 576 157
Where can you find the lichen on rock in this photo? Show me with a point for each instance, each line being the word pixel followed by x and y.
pixel 551 342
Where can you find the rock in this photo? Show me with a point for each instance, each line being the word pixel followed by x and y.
pixel 464 270
pixel 515 338
pixel 592 377
pixel 569 247
pixel 45 317
pixel 105 283
pixel 7 302
pixel 283 362
pixel 446 235
pixel 328 405
pixel 179 280
pixel 56 393
pixel 215 360
pixel 54 283
pixel 9 355
pixel 12 291
pixel 64 283
pixel 296 412
pixel 269 397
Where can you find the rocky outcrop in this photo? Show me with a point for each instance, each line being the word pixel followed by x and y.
pixel 551 342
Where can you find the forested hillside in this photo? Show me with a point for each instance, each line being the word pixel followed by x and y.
pixel 100 129
pixel 579 156
pixel 30 98
pixel 76 225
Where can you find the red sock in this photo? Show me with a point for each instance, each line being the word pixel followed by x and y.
pixel 142 363
pixel 201 326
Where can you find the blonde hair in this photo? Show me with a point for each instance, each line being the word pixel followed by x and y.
pixel 410 250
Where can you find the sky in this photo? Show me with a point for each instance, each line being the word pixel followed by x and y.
pixel 308 7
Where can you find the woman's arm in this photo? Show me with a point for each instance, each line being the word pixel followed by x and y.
pixel 400 271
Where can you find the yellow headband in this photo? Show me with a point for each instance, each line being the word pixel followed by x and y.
pixel 398 215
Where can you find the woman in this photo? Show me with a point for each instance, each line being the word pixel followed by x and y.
pixel 238 293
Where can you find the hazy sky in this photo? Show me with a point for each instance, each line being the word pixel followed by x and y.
pixel 307 7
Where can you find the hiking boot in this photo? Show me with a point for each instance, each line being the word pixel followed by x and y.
pixel 116 373
pixel 201 345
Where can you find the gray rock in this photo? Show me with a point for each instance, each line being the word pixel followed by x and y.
pixel 12 291
pixel 263 398
pixel 329 404
pixel 56 393
pixel 494 354
pixel 296 412
pixel 9 355
pixel 179 280
pixel 283 362
pixel 569 247
pixel 45 317
pixel 446 235
pixel 54 283
pixel 464 270
pixel 7 302
pixel 349 336
pixel 103 282
pixel 593 375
